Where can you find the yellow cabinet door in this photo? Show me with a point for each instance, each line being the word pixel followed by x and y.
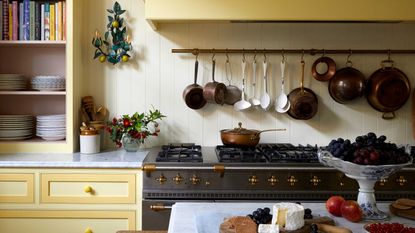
pixel 66 221
pixel 88 188
pixel 16 188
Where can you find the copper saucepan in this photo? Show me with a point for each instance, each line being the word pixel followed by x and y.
pixel 242 137
pixel 388 89
pixel 193 94
pixel 304 102
pixel 214 92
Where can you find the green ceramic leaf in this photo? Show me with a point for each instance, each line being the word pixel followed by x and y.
pixel 121 12
pixel 97 53
pixel 98 43
pixel 117 7
pixel 106 35
pixel 110 18
pixel 110 11
pixel 106 43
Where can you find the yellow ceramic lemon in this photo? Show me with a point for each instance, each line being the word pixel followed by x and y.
pixel 115 24
pixel 102 58
pixel 125 58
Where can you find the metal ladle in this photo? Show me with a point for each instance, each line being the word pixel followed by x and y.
pixel 265 99
pixel 282 103
pixel 242 104
pixel 254 101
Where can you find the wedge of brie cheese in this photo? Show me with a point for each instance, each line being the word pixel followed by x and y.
pixel 268 228
pixel 288 216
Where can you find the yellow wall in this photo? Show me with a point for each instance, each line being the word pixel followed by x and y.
pixel 157 77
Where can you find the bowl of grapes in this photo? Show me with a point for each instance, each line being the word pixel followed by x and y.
pixel 368 159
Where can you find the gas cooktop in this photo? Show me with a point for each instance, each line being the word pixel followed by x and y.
pixel 189 153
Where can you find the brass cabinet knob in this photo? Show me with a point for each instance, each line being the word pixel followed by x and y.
pixel 292 180
pixel 178 178
pixel 341 177
pixel 401 180
pixel 88 189
pixel 161 179
pixel 315 181
pixel 383 181
pixel 194 179
pixel 272 180
pixel 88 230
pixel 253 180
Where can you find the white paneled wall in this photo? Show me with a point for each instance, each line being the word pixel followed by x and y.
pixel 156 77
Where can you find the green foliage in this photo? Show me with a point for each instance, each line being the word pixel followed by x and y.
pixel 138 125
pixel 118 46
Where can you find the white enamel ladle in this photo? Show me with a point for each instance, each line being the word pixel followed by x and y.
pixel 265 99
pixel 242 104
pixel 254 101
pixel 282 103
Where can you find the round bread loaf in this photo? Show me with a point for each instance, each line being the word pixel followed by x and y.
pixel 238 224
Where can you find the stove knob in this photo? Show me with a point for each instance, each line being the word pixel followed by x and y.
pixel 315 181
pixel 177 179
pixel 383 181
pixel 292 180
pixel 194 179
pixel 401 180
pixel 253 180
pixel 341 177
pixel 161 179
pixel 273 180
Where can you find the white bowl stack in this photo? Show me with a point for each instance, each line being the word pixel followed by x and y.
pixel 51 127
pixel 12 82
pixel 48 83
pixel 16 127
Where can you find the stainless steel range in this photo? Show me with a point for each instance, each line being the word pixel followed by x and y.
pixel 267 172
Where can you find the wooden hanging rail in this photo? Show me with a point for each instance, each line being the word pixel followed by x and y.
pixel 196 51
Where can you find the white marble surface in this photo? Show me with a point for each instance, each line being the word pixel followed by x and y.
pixel 106 159
pixel 206 217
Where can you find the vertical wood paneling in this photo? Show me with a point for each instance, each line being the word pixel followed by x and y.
pixel 156 77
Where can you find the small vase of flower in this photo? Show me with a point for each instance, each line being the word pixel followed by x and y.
pixel 131 131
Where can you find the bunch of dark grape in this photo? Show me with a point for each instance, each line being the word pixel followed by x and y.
pixel 368 150
pixel 341 148
pixel 261 216
pixel 307 214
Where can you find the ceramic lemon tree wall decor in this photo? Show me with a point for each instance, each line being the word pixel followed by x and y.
pixel 119 48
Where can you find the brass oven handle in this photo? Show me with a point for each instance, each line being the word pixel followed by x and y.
pixel 160 207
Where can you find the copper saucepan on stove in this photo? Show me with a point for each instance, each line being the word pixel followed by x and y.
pixel 242 137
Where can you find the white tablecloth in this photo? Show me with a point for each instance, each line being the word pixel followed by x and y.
pixel 189 217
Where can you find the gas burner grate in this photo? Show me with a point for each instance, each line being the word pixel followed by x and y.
pixel 227 154
pixel 288 153
pixel 182 152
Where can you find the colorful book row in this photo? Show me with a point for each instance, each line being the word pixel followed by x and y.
pixel 32 20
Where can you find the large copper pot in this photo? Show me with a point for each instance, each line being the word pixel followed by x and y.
pixel 242 137
pixel 388 89
pixel 347 84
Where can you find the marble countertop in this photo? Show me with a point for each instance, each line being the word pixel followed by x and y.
pixel 187 217
pixel 106 159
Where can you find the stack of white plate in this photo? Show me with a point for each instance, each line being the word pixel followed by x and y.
pixel 51 127
pixel 12 82
pixel 16 127
pixel 48 83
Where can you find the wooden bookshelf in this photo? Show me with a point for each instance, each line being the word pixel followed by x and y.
pixel 32 43
pixel 32 92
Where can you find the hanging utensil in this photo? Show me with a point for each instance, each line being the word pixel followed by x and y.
pixel 193 94
pixel 233 93
pixel 282 104
pixel 254 101
pixel 214 92
pixel 265 99
pixel 330 66
pixel 242 104
pixel 304 102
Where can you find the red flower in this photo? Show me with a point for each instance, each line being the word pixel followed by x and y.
pixel 126 123
pixel 114 121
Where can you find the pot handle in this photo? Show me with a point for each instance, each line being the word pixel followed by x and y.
pixel 196 69
pixel 267 130
pixel 388 115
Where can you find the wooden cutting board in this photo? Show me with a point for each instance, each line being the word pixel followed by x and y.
pixel 307 226
pixel 405 208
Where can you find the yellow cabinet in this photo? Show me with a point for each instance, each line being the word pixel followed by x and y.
pixel 16 188
pixel 88 188
pixel 17 221
pixel 157 11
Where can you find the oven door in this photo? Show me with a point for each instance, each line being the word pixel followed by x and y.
pixel 156 213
